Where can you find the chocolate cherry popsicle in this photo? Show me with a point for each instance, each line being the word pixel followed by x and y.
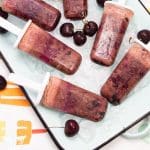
pixel 41 13
pixel 75 9
pixel 63 96
pixel 132 68
pixel 111 31
pixel 40 44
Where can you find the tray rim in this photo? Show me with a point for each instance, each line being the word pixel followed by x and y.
pixel 144 6
pixel 51 135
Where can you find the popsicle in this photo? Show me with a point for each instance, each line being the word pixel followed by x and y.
pixel 113 26
pixel 55 93
pixel 75 9
pixel 40 44
pixel 132 68
pixel 41 13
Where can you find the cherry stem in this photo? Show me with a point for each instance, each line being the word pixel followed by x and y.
pixel 84 21
pixel 131 40
pixel 56 127
pixel 78 29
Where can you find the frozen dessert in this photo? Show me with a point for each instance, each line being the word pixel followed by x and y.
pixel 110 34
pixel 66 97
pixel 132 68
pixel 41 13
pixel 55 93
pixel 40 44
pixel 75 9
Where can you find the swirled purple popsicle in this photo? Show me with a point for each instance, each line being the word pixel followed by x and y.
pixel 41 13
pixel 69 98
pixel 50 50
pixel 75 9
pixel 110 34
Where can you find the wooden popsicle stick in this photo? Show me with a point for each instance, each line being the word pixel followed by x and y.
pixel 9 26
pixel 17 79
pixel 123 2
pixel 39 88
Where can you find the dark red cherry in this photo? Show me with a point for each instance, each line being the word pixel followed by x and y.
pixel 101 2
pixel 71 128
pixel 4 15
pixel 144 36
pixel 3 83
pixel 90 28
pixel 79 38
pixel 67 29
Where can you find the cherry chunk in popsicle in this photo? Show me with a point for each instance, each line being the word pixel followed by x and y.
pixel 75 9
pixel 132 68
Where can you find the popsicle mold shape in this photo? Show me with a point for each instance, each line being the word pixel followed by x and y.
pixel 112 29
pixel 40 44
pixel 132 68
pixel 41 13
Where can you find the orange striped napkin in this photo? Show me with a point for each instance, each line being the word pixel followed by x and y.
pixel 13 96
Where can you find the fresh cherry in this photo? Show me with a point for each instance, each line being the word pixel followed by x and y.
pixel 4 15
pixel 90 28
pixel 67 29
pixel 144 36
pixel 3 83
pixel 101 2
pixel 71 128
pixel 79 38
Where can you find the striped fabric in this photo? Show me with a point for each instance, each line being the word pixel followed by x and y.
pixel 13 95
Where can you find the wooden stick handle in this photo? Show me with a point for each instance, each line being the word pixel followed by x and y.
pixel 9 26
pixel 17 79
pixel 37 87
